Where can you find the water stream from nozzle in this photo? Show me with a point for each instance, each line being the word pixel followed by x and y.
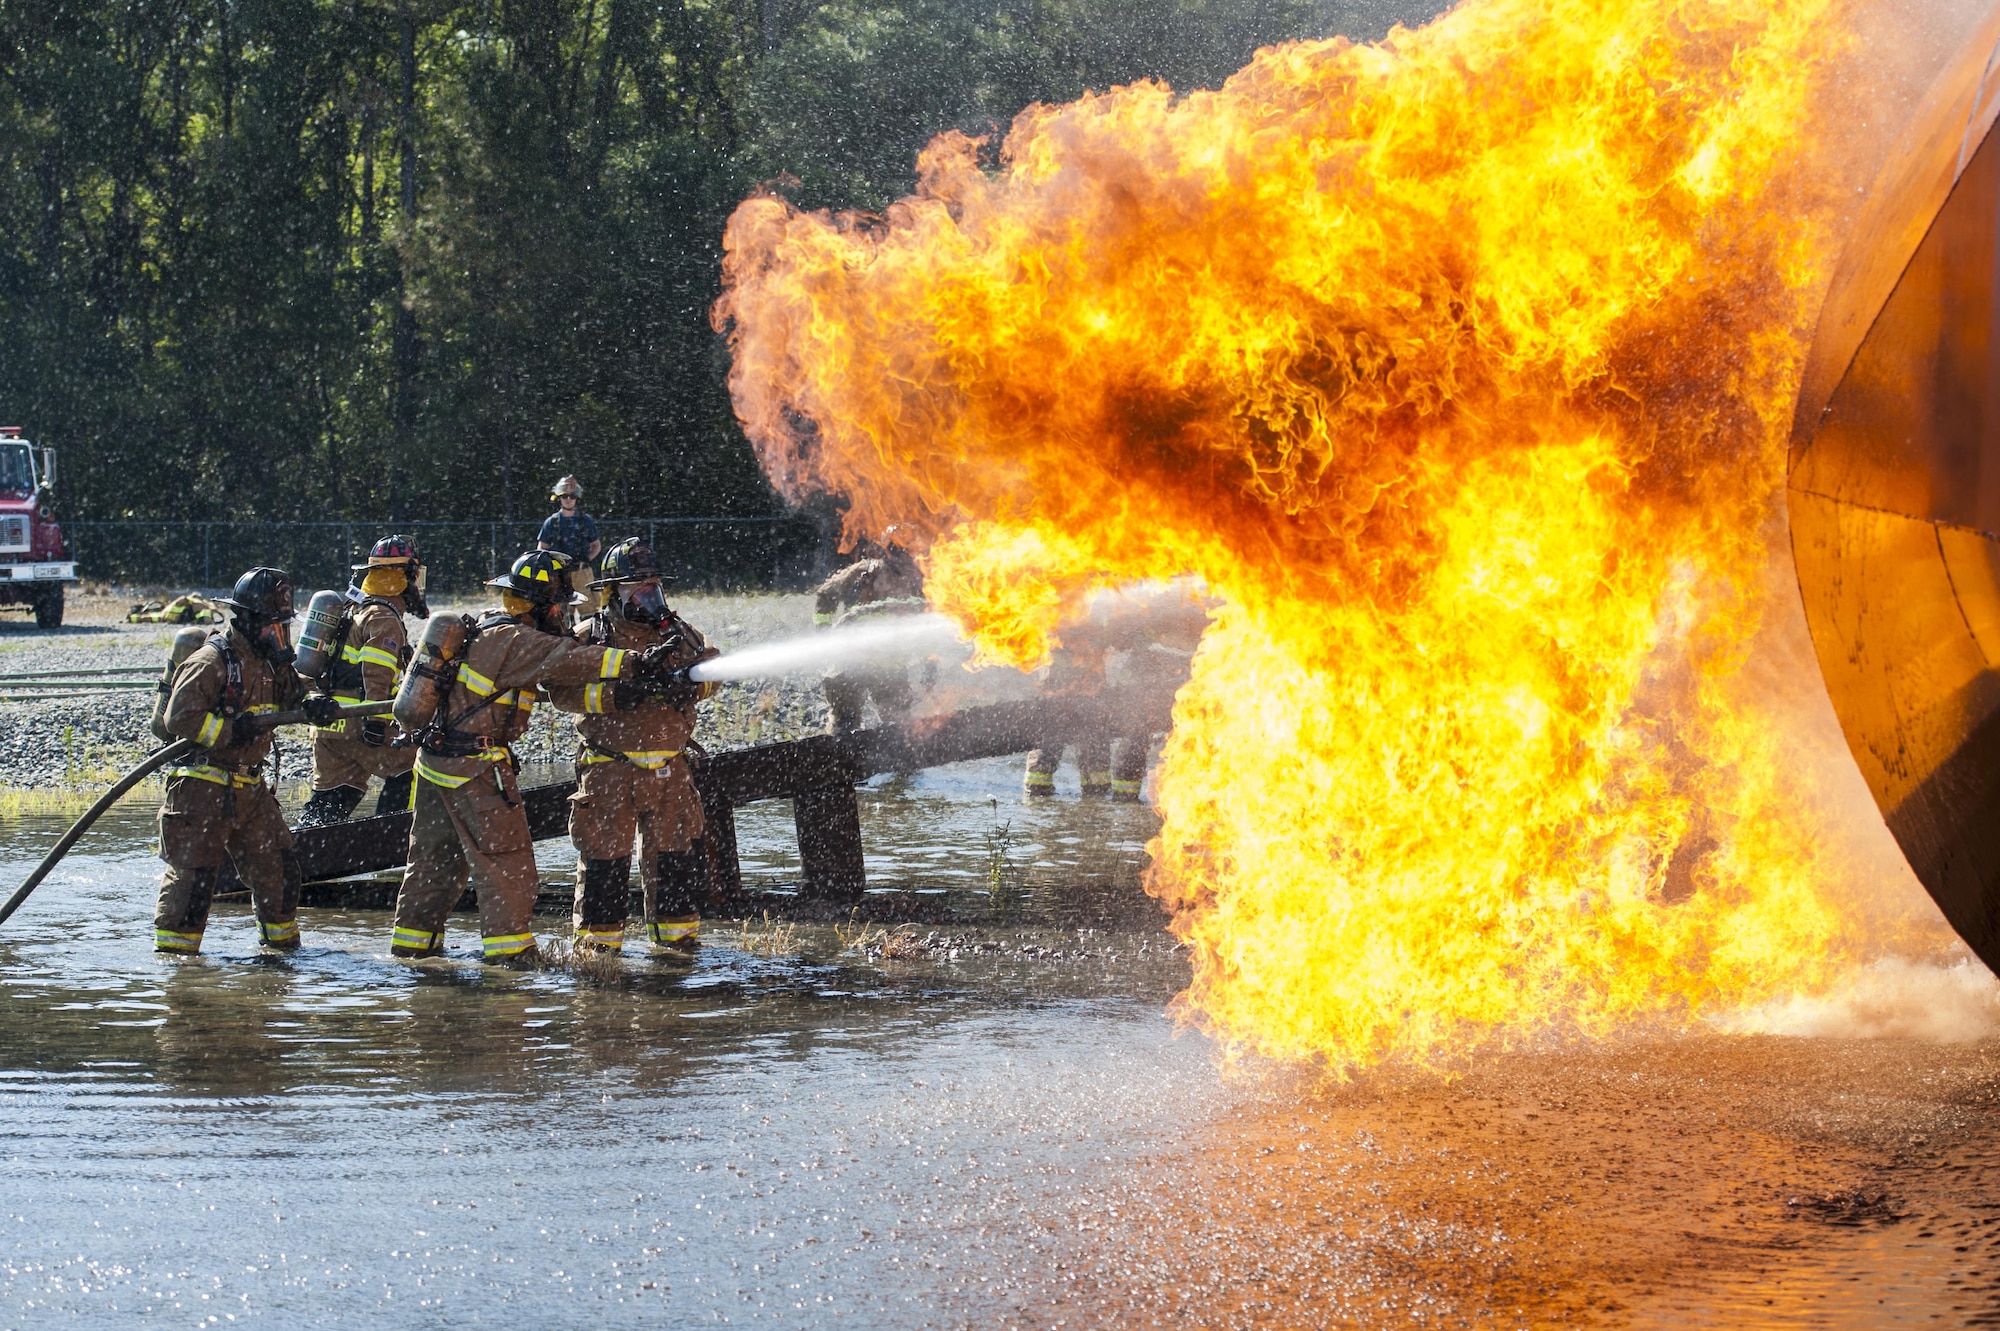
pixel 882 642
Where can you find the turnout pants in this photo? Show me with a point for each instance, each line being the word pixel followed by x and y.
pixel 477 831
pixel 1128 773
pixel 615 800
pixel 848 690
pixel 1093 764
pixel 201 822
pixel 340 758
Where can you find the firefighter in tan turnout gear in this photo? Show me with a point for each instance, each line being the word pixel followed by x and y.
pixel 884 582
pixel 1076 669
pixel 366 659
pixel 632 769
pixel 470 691
pixel 217 802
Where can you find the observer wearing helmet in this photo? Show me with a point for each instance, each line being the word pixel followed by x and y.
pixel 478 681
pixel 569 530
pixel 632 768
pixel 217 801
pixel 366 658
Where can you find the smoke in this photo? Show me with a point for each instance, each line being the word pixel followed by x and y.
pixel 886 643
pixel 1894 999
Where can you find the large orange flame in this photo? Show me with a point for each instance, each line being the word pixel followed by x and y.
pixel 1458 368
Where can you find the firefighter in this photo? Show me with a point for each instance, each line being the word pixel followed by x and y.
pixel 632 771
pixel 468 816
pixel 571 531
pixel 1076 669
pixel 1159 659
pixel 874 586
pixel 373 649
pixel 217 803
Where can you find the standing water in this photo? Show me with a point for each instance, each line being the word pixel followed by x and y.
pixel 990 1122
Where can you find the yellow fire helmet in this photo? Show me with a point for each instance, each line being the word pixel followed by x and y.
pixel 540 576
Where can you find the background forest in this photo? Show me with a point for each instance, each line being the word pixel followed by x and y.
pixel 384 259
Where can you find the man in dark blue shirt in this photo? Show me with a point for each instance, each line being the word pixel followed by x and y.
pixel 573 532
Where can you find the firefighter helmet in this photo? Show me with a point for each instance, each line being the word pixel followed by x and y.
pixel 540 576
pixel 630 560
pixel 568 485
pixel 393 552
pixel 261 596
pixel 398 554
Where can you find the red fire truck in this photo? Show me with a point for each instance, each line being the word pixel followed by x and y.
pixel 34 559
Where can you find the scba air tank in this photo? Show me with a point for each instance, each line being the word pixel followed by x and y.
pixel 186 643
pixel 325 614
pixel 429 677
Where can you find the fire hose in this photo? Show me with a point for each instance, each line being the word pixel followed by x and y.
pixel 153 763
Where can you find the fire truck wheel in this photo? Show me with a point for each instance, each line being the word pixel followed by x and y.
pixel 49 607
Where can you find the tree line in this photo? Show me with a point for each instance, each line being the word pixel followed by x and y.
pixel 300 259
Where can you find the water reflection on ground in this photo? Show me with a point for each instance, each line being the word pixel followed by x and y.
pixel 1011 1135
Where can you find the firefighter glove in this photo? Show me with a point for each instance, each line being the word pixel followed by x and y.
pixel 655 662
pixel 320 709
pixel 375 731
pixel 677 690
pixel 243 729
pixel 629 693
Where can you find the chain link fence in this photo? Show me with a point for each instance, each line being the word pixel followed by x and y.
pixel 702 554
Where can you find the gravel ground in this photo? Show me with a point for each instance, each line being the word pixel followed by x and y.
pixel 85 743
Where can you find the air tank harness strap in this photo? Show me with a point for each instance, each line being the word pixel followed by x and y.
pixel 232 676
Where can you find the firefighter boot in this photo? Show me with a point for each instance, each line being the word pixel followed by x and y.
pixel 1039 781
pixel 282 933
pixel 332 805
pixel 1093 765
pixel 411 943
pixel 602 888
pixel 675 925
pixel 528 958
pixel 182 915
pixel 398 794
pixel 1128 772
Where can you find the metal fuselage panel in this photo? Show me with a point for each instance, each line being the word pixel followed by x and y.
pixel 1895 495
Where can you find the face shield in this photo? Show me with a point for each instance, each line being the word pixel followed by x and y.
pixel 643 602
pixel 551 618
pixel 413 593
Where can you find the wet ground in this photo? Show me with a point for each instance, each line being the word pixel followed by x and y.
pixel 804 1126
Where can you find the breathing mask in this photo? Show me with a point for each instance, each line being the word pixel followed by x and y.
pixel 271 641
pixel 643 603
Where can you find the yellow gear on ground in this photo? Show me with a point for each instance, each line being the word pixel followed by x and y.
pixel 188 609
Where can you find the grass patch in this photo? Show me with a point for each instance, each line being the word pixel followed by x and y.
pixel 590 965
pixel 875 943
pixel 771 939
pixel 40 801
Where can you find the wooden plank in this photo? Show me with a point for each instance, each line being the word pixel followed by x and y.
pixel 829 824
pixel 786 770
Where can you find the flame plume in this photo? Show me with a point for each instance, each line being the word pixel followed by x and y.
pixel 1458 368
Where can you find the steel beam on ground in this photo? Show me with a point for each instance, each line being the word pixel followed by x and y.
pixel 810 769
pixel 93 672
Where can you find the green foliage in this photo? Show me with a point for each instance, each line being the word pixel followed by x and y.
pixel 211 247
